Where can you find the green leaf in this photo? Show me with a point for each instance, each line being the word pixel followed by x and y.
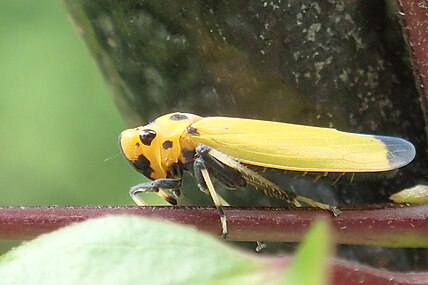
pixel 416 195
pixel 310 264
pixel 132 250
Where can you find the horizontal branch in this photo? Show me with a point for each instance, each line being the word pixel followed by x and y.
pixel 345 272
pixel 369 226
pixel 390 226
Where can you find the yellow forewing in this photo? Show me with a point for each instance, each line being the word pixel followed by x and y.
pixel 301 148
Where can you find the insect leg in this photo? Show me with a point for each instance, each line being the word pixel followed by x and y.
pixel 260 246
pixel 228 176
pixel 250 176
pixel 163 187
pixel 203 186
pixel 340 175
pixel 259 181
pixel 204 181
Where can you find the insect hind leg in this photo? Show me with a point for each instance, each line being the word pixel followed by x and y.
pixel 259 181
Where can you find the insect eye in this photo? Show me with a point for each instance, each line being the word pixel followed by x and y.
pixel 146 136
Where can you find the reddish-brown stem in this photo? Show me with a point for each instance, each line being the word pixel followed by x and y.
pixel 414 21
pixel 385 226
pixel 391 226
pixel 351 273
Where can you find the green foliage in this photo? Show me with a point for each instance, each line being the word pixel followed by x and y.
pixel 133 250
pixel 57 120
pixel 416 195
pixel 58 123
pixel 310 265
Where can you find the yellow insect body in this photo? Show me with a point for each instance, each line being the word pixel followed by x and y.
pixel 262 143
pixel 175 142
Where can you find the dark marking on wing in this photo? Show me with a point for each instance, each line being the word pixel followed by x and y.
pixel 193 131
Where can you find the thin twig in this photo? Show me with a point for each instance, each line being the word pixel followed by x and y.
pixel 386 226
pixel 391 226
pixel 351 273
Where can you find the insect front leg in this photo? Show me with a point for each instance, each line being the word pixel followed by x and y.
pixel 205 185
pixel 167 188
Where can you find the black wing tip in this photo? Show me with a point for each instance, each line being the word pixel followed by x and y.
pixel 400 151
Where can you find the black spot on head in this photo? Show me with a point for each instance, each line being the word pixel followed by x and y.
pixel 146 136
pixel 178 117
pixel 193 131
pixel 189 155
pixel 142 165
pixel 137 144
pixel 167 144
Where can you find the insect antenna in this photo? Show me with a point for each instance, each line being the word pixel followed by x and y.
pixel 111 157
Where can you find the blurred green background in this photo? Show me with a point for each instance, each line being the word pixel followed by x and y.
pixel 59 126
